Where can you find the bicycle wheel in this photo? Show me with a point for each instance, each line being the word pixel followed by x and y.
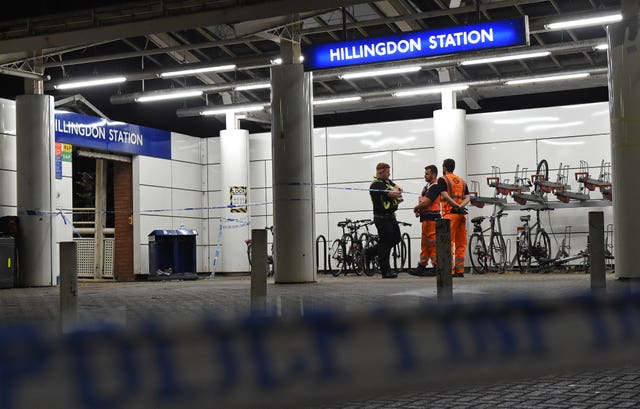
pixel 542 169
pixel 350 253
pixel 249 253
pixel 541 250
pixel 371 263
pixel 397 257
pixel 498 252
pixel 478 254
pixel 523 256
pixel 337 258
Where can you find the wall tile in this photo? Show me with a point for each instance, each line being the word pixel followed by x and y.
pixel 260 146
pixel 356 167
pixel 214 177
pixel 183 199
pixel 7 117
pixel 506 156
pixel 186 175
pixel 7 151
pixel 570 151
pixel 320 141
pixel 153 199
pixel 185 148
pixel 409 164
pixel 257 174
pixel 213 150
pixel 8 181
pixel 154 171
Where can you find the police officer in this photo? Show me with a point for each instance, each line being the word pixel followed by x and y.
pixel 454 198
pixel 385 197
pixel 428 209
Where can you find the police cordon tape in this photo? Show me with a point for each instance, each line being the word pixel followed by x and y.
pixel 63 213
pixel 321 357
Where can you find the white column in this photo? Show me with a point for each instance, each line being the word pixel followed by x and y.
pixel 234 169
pixel 35 138
pixel 293 190
pixel 449 126
pixel 624 107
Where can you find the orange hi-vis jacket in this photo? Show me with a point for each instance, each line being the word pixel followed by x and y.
pixel 455 188
pixel 432 212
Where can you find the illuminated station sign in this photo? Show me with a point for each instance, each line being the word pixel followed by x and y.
pixel 419 44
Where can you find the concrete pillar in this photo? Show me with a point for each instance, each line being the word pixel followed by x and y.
pixel 234 167
pixel 293 191
pixel 100 217
pixel 449 127
pixel 624 107
pixel 35 138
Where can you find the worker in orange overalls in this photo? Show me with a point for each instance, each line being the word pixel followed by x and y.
pixel 428 209
pixel 454 197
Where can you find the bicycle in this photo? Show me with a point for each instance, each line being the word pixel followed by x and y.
pixel 271 271
pixel 495 255
pixel 347 253
pixel 533 245
pixel 399 253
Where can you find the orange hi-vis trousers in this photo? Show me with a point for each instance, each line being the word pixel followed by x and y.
pixel 458 226
pixel 428 242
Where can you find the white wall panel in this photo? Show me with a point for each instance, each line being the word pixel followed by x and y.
pixel 320 200
pixel 144 258
pixel 9 196
pixel 155 171
pixel 154 198
pixel 151 223
pixel 380 136
pixel 319 141
pixel 260 146
pixel 480 158
pixel 203 264
pixel 258 196
pixel 538 123
pixel 7 152
pixel 322 224
pixel 214 204
pixel 7 116
pixel 214 231
pixel 183 199
pixel 8 210
pixel 214 177
pixel 350 200
pixel 213 150
pixel 190 224
pixel 257 174
pixel 570 151
pixel 356 167
pixel 186 176
pixel 185 148
pixel 320 169
pixel 408 164
pixel 259 222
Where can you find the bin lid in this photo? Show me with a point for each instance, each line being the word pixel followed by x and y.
pixel 181 232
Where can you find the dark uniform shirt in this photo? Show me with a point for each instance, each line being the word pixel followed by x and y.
pixel 382 203
pixel 431 192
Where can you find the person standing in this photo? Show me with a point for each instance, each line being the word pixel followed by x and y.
pixel 428 209
pixel 385 197
pixel 454 197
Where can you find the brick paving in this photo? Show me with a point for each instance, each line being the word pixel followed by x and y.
pixel 228 296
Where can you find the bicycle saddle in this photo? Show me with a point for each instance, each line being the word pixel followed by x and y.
pixel 525 218
pixel 477 219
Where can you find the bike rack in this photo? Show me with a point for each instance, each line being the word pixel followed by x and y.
pixel 324 252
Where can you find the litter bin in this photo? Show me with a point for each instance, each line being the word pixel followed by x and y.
pixel 172 254
pixel 7 262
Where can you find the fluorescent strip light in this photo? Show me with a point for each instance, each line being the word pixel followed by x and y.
pixel 198 70
pixel 592 21
pixel 254 86
pixel 430 90
pixel 169 95
pixel 336 100
pixel 549 78
pixel 377 73
pixel 510 57
pixel 601 47
pixel 91 83
pixel 222 110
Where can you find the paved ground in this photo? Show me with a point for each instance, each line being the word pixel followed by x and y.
pixel 228 297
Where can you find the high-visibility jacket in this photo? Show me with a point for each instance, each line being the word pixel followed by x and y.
pixel 432 212
pixel 382 203
pixel 456 187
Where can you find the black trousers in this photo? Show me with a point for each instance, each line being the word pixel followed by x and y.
pixel 389 236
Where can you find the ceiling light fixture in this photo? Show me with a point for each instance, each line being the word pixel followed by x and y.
pixel 509 57
pixel 253 86
pixel 233 109
pixel 179 73
pixel 378 73
pixel 548 78
pixel 169 95
pixel 601 47
pixel 91 83
pixel 431 90
pixel 336 100
pixel 583 22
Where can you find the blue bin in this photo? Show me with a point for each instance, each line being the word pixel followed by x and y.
pixel 172 253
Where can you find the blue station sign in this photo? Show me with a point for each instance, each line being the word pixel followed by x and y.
pixel 451 40
pixel 113 136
